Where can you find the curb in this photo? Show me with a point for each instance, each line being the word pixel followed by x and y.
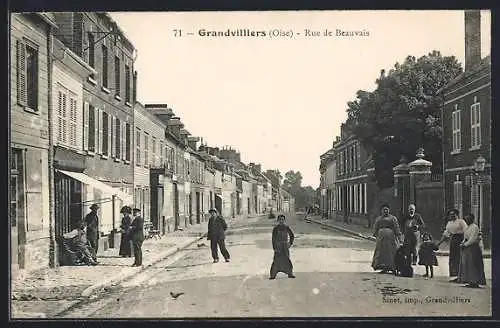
pixel 371 238
pixel 119 278
pixel 28 315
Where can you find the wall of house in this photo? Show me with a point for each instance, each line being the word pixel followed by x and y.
pixel 29 134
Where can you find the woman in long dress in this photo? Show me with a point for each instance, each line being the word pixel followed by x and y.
pixel 282 240
pixel 471 270
pixel 125 245
pixel 454 232
pixel 388 237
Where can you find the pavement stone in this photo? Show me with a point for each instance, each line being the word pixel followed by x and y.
pixel 367 233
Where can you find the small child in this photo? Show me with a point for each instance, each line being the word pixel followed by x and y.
pixel 427 254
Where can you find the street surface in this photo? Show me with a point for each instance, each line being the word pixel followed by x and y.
pixel 334 279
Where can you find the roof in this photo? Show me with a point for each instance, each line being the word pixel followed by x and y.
pixel 485 62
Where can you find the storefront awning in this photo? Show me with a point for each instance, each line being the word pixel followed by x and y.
pixel 106 189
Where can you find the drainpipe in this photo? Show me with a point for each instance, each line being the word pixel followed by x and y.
pixel 52 242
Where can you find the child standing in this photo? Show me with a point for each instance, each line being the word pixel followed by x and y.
pixel 427 254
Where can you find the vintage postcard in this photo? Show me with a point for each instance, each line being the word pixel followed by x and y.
pixel 250 164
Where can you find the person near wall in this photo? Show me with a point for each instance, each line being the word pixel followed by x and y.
pixel 413 225
pixel 137 236
pixel 77 243
pixel 454 232
pixel 217 227
pixel 388 237
pixel 282 240
pixel 125 242
pixel 92 222
pixel 471 271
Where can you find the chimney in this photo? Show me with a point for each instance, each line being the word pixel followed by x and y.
pixel 472 38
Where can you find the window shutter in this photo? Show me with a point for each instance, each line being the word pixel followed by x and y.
pixel 60 119
pixel 85 125
pixel 112 132
pixel 108 151
pixel 64 115
pixel 21 74
pixel 123 126
pixel 100 138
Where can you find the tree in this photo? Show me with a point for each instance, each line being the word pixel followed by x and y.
pixel 275 176
pixel 293 182
pixel 403 113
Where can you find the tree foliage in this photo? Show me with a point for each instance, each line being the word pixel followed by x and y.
pixel 403 113
pixel 275 176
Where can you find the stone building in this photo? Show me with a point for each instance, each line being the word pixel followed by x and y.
pixel 328 173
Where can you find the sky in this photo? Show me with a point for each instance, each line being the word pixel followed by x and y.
pixel 279 101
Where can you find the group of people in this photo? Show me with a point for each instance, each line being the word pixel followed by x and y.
pixel 282 240
pixel 465 257
pixel 84 240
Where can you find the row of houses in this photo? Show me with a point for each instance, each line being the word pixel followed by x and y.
pixel 347 184
pixel 79 136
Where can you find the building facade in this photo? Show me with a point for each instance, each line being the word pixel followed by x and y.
pixel 466 117
pixel 32 239
pixel 328 171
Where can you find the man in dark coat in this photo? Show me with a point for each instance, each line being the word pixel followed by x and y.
pixel 216 234
pixel 413 225
pixel 137 236
pixel 92 222
pixel 282 240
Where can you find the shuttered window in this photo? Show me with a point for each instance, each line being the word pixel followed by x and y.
pixel 61 117
pixel 162 159
pixel 27 74
pixel 146 150
pixel 127 142
pixel 105 133
pixel 66 117
pixel 72 121
pixel 118 139
pixel 92 128
pixel 127 83
pixel 117 76
pixel 475 121
pixel 123 139
pixel 138 147
pixel 154 151
pixel 458 197
pixel 105 66
pixel 456 123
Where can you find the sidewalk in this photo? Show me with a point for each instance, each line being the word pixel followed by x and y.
pixel 367 233
pixel 47 292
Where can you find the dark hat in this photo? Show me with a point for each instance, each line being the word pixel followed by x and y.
pixel 384 205
pixel 281 216
pixel 94 206
pixel 136 209
pixel 126 209
pixel 212 210
pixel 453 211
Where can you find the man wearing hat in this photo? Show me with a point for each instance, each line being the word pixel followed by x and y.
pixel 216 234
pixel 92 221
pixel 137 236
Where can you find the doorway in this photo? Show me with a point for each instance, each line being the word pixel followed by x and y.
pixel 176 207
pixel 198 206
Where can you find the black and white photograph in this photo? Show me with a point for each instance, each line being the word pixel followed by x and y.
pixel 250 164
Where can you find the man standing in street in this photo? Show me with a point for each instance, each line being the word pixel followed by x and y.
pixel 413 226
pixel 137 236
pixel 282 240
pixel 216 234
pixel 92 222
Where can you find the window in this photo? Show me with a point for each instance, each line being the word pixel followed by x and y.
pixel 117 138
pixel 117 76
pixel 127 142
pixel 66 117
pixel 105 133
pixel 15 185
pixel 475 124
pixel 127 83
pixel 27 75
pixel 162 159
pixel 153 161
pixel 456 123
pixel 146 150
pixel 134 86
pixel 138 147
pixel 457 197
pixel 92 127
pixel 104 66
pixel 91 40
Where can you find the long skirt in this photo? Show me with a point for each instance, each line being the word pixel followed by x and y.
pixel 472 266
pixel 125 246
pixel 281 262
pixel 454 259
pixel 385 250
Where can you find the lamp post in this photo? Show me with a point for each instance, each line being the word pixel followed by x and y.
pixel 479 165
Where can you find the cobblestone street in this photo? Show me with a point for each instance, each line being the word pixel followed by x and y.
pixel 334 278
